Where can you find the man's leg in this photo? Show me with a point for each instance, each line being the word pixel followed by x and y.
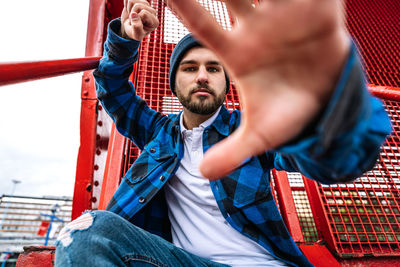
pixel 102 238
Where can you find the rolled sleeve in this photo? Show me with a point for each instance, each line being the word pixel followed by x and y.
pixel 345 140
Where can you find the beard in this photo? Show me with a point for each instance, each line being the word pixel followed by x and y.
pixel 202 105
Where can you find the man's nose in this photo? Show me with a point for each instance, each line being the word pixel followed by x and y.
pixel 202 75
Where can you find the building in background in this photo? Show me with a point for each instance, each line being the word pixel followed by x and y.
pixel 23 221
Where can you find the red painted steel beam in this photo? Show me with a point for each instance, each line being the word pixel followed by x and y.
pixel 320 217
pixel 17 72
pixel 82 199
pixel 319 255
pixel 113 168
pixel 385 92
pixel 287 205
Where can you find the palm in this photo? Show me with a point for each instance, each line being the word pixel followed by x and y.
pixel 285 57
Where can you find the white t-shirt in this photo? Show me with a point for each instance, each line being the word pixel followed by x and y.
pixel 196 221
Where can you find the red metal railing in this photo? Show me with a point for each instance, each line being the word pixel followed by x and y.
pixel 15 72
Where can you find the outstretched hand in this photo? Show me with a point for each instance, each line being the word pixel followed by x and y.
pixel 284 56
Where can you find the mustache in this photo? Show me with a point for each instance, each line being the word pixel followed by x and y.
pixel 202 87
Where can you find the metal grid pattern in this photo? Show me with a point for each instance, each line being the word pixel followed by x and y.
pixel 305 215
pixel 303 208
pixel 295 179
pixel 364 217
pixel 375 25
pixel 151 78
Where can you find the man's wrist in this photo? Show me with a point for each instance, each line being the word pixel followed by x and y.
pixel 339 115
pixel 119 47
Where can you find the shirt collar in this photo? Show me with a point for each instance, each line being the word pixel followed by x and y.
pixel 203 125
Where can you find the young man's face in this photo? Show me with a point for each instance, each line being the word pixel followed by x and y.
pixel 200 81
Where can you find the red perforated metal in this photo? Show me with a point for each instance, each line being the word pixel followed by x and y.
pixel 375 25
pixel 151 79
pixel 363 218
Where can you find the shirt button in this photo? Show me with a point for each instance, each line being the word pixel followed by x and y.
pixel 142 200
pixel 152 150
pixel 162 178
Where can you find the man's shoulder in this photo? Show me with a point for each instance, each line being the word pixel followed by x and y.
pixel 172 116
pixel 231 116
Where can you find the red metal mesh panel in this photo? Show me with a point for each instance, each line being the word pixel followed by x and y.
pixel 375 25
pixel 363 217
pixel 303 208
pixel 305 215
pixel 151 79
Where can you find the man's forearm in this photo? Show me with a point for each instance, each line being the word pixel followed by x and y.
pixel 117 94
pixel 346 139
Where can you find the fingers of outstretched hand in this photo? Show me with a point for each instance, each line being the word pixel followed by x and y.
pixel 224 157
pixel 200 22
pixel 240 8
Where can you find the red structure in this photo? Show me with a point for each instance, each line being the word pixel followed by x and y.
pixel 36 256
pixel 338 225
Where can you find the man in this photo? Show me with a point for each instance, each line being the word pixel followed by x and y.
pixel 300 114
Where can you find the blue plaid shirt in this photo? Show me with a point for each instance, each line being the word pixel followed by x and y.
pixel 338 146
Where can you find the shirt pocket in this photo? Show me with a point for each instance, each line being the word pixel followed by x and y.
pixel 159 151
pixel 141 168
pixel 153 156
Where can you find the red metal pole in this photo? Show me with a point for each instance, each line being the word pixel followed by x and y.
pixel 17 72
pixel 286 203
pixel 113 168
pixel 385 92
pixel 324 230
pixel 82 199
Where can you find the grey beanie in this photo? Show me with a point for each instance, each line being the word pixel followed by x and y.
pixel 184 45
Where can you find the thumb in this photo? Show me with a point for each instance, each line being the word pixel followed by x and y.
pixel 230 153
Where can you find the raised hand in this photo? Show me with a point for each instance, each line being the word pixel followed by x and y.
pixel 138 19
pixel 285 56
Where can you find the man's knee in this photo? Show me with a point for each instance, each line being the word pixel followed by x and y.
pixel 90 223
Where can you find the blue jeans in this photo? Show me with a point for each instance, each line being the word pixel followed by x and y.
pixel 102 238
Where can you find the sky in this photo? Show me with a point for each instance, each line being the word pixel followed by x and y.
pixel 39 121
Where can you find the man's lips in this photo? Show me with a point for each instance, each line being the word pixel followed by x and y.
pixel 202 92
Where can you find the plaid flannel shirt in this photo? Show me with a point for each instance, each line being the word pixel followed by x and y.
pixel 340 145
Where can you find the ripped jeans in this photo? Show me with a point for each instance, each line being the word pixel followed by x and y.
pixel 102 238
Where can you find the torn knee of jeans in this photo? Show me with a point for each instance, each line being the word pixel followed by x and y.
pixel 82 223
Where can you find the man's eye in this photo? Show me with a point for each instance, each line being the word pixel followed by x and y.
pixel 213 69
pixel 189 69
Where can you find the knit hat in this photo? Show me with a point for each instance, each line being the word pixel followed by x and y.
pixel 184 45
